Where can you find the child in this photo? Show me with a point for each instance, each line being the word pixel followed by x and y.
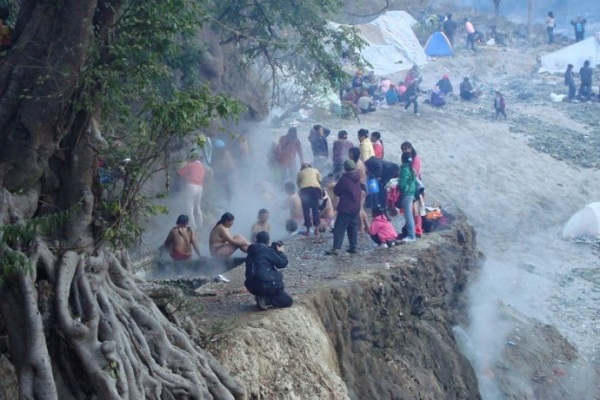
pixel 293 203
pixel 499 104
pixel 377 144
pixel 326 212
pixel 262 224
pixel 382 231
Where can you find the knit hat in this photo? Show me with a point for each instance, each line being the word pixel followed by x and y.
pixel 349 165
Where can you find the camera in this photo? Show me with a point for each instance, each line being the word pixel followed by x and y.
pixel 277 244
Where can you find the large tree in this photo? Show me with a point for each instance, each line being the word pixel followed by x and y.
pixel 78 324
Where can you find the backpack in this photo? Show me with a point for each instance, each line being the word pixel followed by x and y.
pixel 579 27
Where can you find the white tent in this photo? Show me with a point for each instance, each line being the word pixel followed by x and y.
pixel 584 224
pixel 392 45
pixel 576 54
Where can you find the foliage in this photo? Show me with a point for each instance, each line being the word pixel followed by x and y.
pixel 291 40
pixel 132 79
pixel 150 96
pixel 13 261
pixel 21 234
pixel 16 239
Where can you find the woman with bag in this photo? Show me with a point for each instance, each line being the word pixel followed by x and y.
pixel 419 205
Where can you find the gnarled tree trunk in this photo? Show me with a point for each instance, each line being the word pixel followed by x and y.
pixel 78 325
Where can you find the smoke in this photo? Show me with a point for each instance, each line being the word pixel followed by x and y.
pixel 252 187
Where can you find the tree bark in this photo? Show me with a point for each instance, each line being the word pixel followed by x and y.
pixel 99 336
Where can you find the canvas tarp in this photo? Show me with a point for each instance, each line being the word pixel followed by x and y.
pixel 576 54
pixel 391 44
pixel 584 224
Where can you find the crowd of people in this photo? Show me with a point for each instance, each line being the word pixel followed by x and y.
pixel 346 190
pixel 350 190
pixel 383 93
pixel 336 192
pixel 365 94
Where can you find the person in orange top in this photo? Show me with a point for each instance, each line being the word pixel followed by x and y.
pixel 377 144
pixel 193 174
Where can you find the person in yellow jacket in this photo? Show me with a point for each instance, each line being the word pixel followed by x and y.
pixel 365 146
pixel 309 185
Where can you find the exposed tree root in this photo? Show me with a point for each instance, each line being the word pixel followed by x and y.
pixel 114 343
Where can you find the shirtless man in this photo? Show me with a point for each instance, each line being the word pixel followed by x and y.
pixel 261 224
pixel 181 240
pixel 220 241
pixel 293 202
pixel 326 212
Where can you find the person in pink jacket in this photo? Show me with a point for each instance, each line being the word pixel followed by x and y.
pixel 382 231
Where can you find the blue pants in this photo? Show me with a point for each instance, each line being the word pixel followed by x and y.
pixel 407 206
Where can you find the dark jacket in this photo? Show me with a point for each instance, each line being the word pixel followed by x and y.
pixel 586 73
pixel 349 191
pixel 569 78
pixel 318 143
pixel 465 87
pixel 382 169
pixel 449 27
pixel 445 86
pixel 261 267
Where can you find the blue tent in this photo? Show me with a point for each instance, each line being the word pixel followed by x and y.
pixel 438 45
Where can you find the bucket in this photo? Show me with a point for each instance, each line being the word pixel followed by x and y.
pixel 373 186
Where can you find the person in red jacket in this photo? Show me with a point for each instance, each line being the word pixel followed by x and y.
pixel 377 144
pixel 382 231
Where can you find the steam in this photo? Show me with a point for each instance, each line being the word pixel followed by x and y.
pixel 253 188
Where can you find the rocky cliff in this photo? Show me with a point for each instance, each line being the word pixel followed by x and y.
pixel 380 327
pixel 377 325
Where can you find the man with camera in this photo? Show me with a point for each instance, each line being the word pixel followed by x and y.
pixel 263 278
